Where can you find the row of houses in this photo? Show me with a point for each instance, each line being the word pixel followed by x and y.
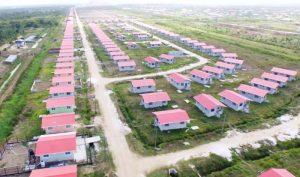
pixel 59 144
pixel 118 57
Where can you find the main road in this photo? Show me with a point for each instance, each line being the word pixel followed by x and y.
pixel 130 164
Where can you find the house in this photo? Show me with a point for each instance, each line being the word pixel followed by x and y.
pixel 61 105
pixel 142 37
pixel 216 52
pixel 165 58
pixel 180 81
pixel 58 123
pixel 63 72
pixel 108 46
pixel 126 65
pixel 216 73
pixel 209 105
pixel 142 86
pixel 228 55
pixel 276 172
pixel 284 72
pixel 253 93
pixel 132 45
pixel 56 147
pixel 176 54
pixel 61 91
pixel 154 44
pixel 238 63
pixel 63 80
pixel 201 77
pixel 121 37
pixel 65 55
pixel 20 42
pixel 152 62
pixel 116 49
pixel 155 99
pixel 10 59
pixel 171 119
pixel 184 40
pixel 207 48
pixel 113 54
pixel 198 45
pixel 121 58
pixel 235 101
pixel 191 43
pixel 61 171
pixel 227 68
pixel 271 87
pixel 281 80
pixel 68 65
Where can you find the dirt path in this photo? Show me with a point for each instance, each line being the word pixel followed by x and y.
pixel 129 164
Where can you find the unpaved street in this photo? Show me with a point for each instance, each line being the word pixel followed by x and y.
pixel 129 164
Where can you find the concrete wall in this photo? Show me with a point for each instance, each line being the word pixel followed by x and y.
pixel 58 157
pixel 57 95
pixel 60 129
pixel 202 80
pixel 217 111
pixel 61 110
pixel 154 105
pixel 242 107
pixel 186 85
pixel 270 90
pixel 152 65
pixel 173 126
pixel 127 68
pixel 143 89
pixel 253 97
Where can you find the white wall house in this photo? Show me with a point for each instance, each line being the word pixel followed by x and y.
pixel 126 66
pixel 209 105
pixel 271 87
pixel 238 63
pixel 201 77
pixel 281 80
pixel 58 123
pixel 253 93
pixel 235 101
pixel 165 58
pixel 142 86
pixel 171 119
pixel 179 81
pixel 227 68
pixel 155 99
pixel 285 72
pixel 61 91
pixel 152 62
pixel 216 73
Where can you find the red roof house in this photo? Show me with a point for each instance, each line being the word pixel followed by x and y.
pixel 216 73
pixel 281 80
pixel 155 99
pixel 201 77
pixel 180 81
pixel 284 72
pixel 234 100
pixel 61 104
pixel 238 63
pixel 63 80
pixel 253 93
pixel 126 65
pixel 276 172
pixel 171 119
pixel 166 58
pixel 64 72
pixel 209 105
pixel 63 171
pixel 61 91
pixel 152 62
pixel 227 68
pixel 58 123
pixel 229 55
pixel 271 87
pixel 142 86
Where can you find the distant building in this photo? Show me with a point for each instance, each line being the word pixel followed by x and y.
pixel 154 44
pixel 152 62
pixel 281 80
pixel 228 55
pixel 271 87
pixel 165 58
pixel 217 73
pixel 61 105
pixel 20 42
pixel 176 54
pixel 227 68
pixel 253 93
pixel 216 52
pixel 11 59
pixel 238 63
pixel 132 45
pixel 61 91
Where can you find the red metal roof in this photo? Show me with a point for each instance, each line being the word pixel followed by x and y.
pixel 54 120
pixel 172 116
pixel 64 65
pixel 179 78
pixel 208 47
pixel 152 60
pixel 265 83
pixel 155 97
pixel 274 77
pixel 116 53
pixel 233 96
pixel 56 143
pixel 208 101
pixel 116 49
pixel 143 83
pixel 225 65
pixel 126 63
pixel 200 73
pixel 218 50
pixel 122 57
pixel 284 71
pixel 64 171
pixel 60 102
pixel 253 90
pixel 276 172
pixel 235 61
pixel 229 55
pixel 166 56
pixel 213 69
pixel 61 89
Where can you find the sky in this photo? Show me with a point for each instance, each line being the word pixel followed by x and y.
pixel 11 3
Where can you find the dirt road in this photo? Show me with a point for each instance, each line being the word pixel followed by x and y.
pixel 129 164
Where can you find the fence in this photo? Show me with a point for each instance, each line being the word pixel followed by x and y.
pixel 8 171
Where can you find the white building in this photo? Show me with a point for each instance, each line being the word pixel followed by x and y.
pixel 179 81
pixel 155 99
pixel 171 119
pixel 209 105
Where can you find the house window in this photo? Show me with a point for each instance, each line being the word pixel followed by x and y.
pixel 241 104
pixel 243 92
pixel 149 86
pixel 268 88
pixel 166 125
pixel 46 156
pixel 68 93
pixel 67 153
pixel 55 94
pixel 150 103
pixel 255 85
pixel 138 87
pixel 255 96
pixel 68 126
pixel 234 104
pixel 181 122
pixel 52 109
pixel 212 110
pixel 68 107
pixel 50 128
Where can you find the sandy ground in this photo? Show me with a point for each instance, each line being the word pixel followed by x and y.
pixel 129 164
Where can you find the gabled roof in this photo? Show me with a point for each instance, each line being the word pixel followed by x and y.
pixel 229 55
pixel 276 172
pixel 116 53
pixel 64 65
pixel 200 73
pixel 155 97
pixel 64 171
pixel 264 83
pixel 143 83
pixel 179 78
pixel 63 79
pixel 235 61
pixel 116 49
pixel 274 77
pixel 62 89
pixel 56 143
pixel 213 69
pixel 121 57
pixel 284 71
pixel 53 120
pixel 208 101
pixel 172 116
pixel 60 102
pixel 166 56
pixel 208 47
pixel 225 65
pixel 233 96
pixel 126 63
pixel 252 90
pixel 218 50
pixel 152 60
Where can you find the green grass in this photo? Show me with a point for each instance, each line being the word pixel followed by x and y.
pixel 141 120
